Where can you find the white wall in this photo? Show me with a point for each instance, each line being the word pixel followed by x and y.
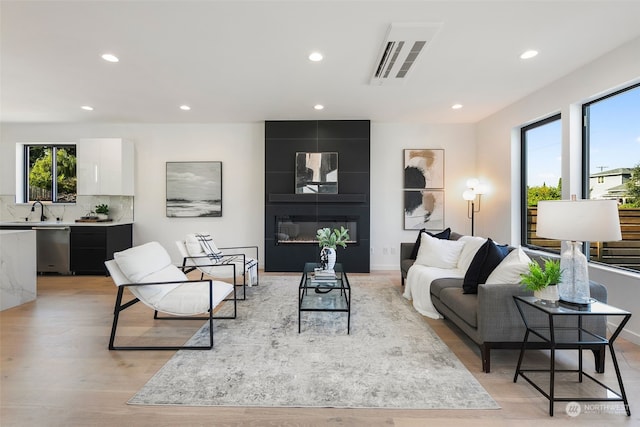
pixel 497 139
pixel 240 147
pixel 387 218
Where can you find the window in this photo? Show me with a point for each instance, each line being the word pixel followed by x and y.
pixel 611 169
pixel 50 173
pixel 540 175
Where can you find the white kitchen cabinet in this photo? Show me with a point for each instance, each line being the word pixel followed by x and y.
pixel 105 167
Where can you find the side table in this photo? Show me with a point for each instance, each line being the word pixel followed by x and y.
pixel 574 338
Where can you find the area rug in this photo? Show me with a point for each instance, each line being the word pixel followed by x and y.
pixel 391 358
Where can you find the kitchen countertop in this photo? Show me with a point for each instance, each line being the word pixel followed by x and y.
pixel 61 224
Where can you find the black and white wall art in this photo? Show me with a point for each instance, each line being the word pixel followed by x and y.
pixel 423 189
pixel 424 209
pixel 423 168
pixel 194 189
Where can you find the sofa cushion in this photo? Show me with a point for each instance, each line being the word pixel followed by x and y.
pixel 464 305
pixel 444 234
pixel 439 253
pixel 471 246
pixel 448 282
pixel 484 262
pixel 510 268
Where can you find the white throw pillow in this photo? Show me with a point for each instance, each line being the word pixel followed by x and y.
pixel 439 253
pixel 509 270
pixel 200 245
pixel 471 246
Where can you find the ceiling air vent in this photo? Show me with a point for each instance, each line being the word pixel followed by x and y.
pixel 401 50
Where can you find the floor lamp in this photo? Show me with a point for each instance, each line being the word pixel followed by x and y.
pixel 474 192
pixel 574 222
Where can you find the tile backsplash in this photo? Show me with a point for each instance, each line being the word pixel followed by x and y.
pixel 120 209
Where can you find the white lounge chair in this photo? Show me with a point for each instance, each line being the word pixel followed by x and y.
pixel 147 272
pixel 200 252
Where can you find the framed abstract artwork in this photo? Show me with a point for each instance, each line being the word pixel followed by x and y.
pixel 423 168
pixel 194 189
pixel 424 209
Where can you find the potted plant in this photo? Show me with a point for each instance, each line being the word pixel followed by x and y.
pixel 543 281
pixel 102 211
pixel 329 240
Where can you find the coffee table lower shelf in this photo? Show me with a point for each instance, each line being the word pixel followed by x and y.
pixel 324 296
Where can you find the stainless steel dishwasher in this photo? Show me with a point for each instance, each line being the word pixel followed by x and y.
pixel 53 249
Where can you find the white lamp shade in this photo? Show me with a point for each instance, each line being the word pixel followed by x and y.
pixel 469 195
pixel 579 220
pixel 473 182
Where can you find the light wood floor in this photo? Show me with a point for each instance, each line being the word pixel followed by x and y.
pixel 56 371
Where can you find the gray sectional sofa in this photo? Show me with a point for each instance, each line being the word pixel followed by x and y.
pixel 490 317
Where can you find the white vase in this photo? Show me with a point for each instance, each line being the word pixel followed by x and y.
pixel 331 258
pixel 549 294
pixel 102 216
pixel 328 255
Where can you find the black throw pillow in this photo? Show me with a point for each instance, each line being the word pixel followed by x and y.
pixel 484 262
pixel 444 235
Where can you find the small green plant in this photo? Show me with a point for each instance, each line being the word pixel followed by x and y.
pixel 332 239
pixel 539 278
pixel 102 209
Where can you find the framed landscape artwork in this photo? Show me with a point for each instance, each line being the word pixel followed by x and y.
pixel 194 189
pixel 423 168
pixel 423 209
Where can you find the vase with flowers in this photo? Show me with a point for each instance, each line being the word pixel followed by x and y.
pixel 329 240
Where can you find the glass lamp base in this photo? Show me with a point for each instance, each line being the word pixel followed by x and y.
pixel 574 287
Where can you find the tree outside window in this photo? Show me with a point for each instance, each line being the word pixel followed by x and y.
pixel 46 162
pixel 541 175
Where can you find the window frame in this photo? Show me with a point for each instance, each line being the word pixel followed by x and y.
pixel 585 135
pixel 523 179
pixel 586 160
pixel 54 171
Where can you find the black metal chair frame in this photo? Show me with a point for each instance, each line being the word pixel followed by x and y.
pixel 119 306
pixel 226 260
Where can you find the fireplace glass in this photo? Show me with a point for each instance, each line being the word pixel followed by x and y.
pixel 302 229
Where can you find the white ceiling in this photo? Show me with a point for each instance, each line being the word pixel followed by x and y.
pixel 246 61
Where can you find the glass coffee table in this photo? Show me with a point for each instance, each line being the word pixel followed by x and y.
pixel 324 294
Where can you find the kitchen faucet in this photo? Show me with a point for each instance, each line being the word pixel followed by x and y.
pixel 33 208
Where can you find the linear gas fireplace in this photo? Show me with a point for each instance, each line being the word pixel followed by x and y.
pixel 301 229
pixel 302 196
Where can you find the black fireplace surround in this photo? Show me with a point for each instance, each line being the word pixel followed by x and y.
pixel 291 219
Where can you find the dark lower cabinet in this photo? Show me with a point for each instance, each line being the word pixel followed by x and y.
pixel 92 246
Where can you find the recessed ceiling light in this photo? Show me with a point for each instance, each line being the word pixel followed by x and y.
pixel 318 107
pixel 456 106
pixel 315 56
pixel 185 107
pixel 110 57
pixel 529 54
pixel 87 108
